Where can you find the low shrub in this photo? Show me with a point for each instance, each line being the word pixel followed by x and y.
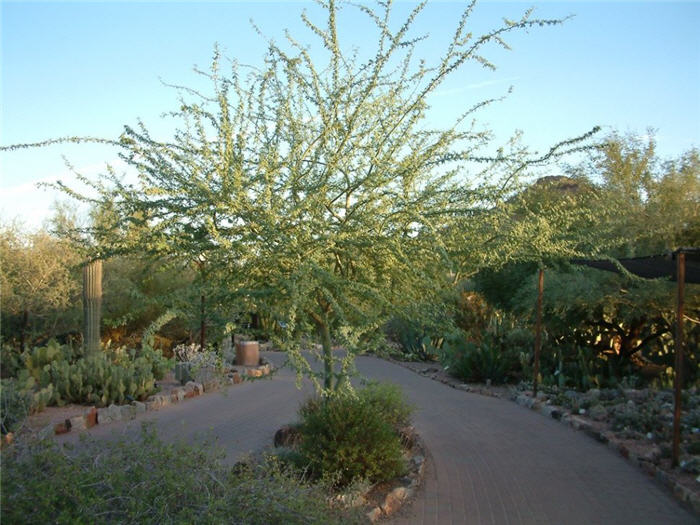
pixel 347 437
pixel 388 399
pixel 15 404
pixel 151 482
pixel 478 362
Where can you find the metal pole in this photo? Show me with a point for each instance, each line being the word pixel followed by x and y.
pixel 203 327
pixel 538 332
pixel 678 380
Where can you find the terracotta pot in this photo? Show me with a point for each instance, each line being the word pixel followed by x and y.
pixel 248 353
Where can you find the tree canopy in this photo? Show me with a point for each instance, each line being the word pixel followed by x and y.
pixel 314 185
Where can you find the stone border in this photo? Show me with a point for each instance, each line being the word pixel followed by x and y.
pixel 398 496
pixel 564 416
pixel 112 413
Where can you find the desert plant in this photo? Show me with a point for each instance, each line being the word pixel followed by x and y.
pixel 92 305
pixel 348 437
pixel 15 403
pixel 152 482
pixel 478 362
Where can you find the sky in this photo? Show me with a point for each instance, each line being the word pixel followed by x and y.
pixel 89 68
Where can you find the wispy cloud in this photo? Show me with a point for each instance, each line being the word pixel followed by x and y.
pixel 475 85
pixel 33 204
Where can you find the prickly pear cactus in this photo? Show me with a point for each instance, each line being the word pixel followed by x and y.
pixel 92 305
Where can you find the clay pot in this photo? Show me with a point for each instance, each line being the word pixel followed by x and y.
pixel 247 353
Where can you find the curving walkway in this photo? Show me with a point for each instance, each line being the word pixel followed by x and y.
pixel 493 462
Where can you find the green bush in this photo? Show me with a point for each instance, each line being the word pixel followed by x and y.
pixel 388 399
pixel 489 359
pixel 15 404
pixel 151 482
pixel 348 437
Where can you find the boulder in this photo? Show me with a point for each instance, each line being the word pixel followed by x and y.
pixel 78 423
pixel 598 412
pixel 287 436
pixel 393 500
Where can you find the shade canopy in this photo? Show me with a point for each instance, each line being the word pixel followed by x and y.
pixel 653 266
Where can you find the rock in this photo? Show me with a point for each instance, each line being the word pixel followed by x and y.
pixel 593 394
pixel 78 423
pixel 691 465
pixel 193 389
pixel 237 379
pixel 139 407
pixel 393 500
pixel 210 385
pixel 62 428
pixel 287 436
pixel 525 401
pixel 255 372
pixel 598 412
pixel 551 411
pixel 177 395
pixel 128 411
pixel 374 514
pixel 653 454
pixel 91 417
pixel 8 438
pixel 109 414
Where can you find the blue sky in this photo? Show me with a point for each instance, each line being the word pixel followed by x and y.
pixel 88 68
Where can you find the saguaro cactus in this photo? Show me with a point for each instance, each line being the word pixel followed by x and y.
pixel 92 305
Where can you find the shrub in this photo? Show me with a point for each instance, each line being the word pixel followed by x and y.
pixel 387 399
pixel 149 481
pixel 348 437
pixel 478 362
pixel 15 403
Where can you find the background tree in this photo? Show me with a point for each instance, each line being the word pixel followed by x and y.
pixel 629 203
pixel 40 285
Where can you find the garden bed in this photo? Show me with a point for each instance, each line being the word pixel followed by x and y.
pixel 72 417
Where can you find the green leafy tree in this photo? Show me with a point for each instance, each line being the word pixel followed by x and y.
pixel 40 284
pixel 314 187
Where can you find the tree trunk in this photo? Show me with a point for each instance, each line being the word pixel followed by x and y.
pixel 327 356
pixel 23 329
pixel 92 305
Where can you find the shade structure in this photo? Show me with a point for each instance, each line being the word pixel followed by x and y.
pixel 682 266
pixel 653 266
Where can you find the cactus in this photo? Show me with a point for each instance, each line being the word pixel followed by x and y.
pixel 92 305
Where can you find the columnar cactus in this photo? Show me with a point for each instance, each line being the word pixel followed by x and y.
pixel 92 305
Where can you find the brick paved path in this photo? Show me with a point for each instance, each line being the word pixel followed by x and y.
pixel 493 462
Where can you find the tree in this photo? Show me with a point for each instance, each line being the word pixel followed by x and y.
pixel 314 186
pixel 624 201
pixel 39 283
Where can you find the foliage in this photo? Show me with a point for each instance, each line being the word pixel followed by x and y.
pixel 598 326
pixel 150 481
pixel 389 400
pixel 15 403
pixel 313 190
pixel 96 379
pixel 348 437
pixel 40 284
pixel 491 359
pixel 159 364
pixel 58 374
